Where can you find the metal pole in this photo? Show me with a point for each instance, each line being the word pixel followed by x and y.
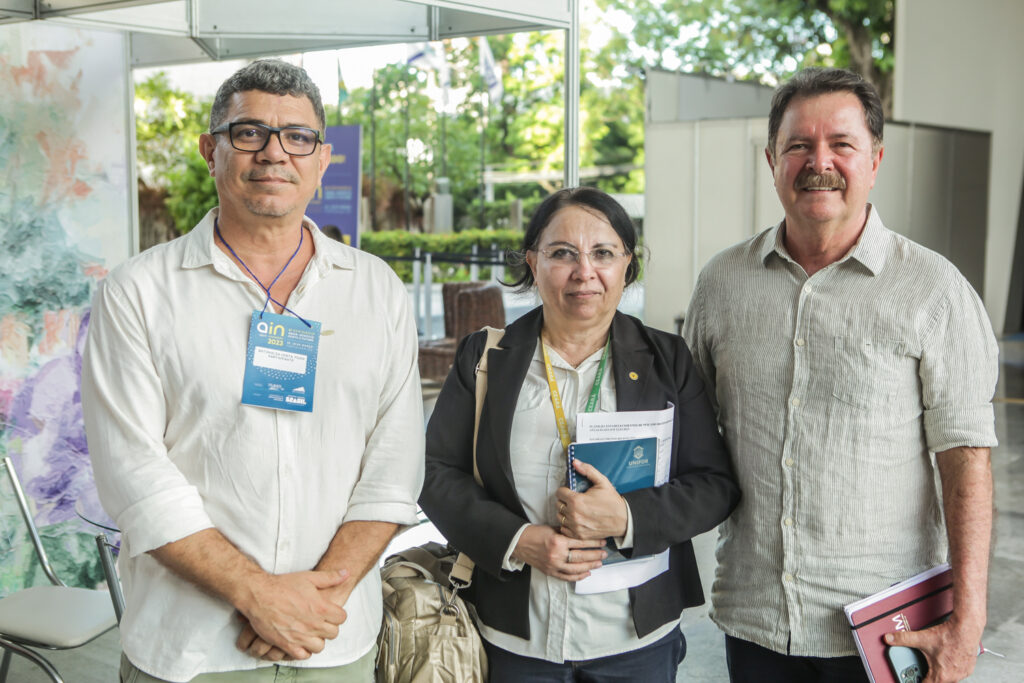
pixel 572 97
pixel 474 268
pixel 498 269
pixel 110 572
pixel 444 145
pixel 373 152
pixel 429 282
pixel 417 269
pixel 408 214
pixel 30 524
pixel 483 153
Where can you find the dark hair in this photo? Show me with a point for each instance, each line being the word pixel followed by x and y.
pixel 815 81
pixel 271 76
pixel 589 198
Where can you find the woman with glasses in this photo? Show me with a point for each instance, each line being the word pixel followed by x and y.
pixel 532 538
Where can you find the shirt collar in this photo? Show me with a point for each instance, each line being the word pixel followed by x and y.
pixel 200 250
pixel 868 251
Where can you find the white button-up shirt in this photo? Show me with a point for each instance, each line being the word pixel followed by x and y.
pixel 564 625
pixel 831 391
pixel 175 451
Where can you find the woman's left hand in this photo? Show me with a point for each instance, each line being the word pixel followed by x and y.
pixel 598 513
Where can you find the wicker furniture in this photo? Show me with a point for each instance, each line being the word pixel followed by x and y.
pixel 468 306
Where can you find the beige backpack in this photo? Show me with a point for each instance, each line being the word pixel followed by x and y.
pixel 429 634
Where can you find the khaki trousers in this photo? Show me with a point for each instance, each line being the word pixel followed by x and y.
pixel 359 671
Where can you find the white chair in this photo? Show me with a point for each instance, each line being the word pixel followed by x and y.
pixel 54 617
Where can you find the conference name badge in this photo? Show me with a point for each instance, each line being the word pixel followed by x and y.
pixel 280 362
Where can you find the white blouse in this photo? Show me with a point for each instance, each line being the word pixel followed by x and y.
pixel 564 625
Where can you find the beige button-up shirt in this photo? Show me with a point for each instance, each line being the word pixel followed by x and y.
pixel 832 392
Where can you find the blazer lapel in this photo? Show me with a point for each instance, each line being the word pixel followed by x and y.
pixel 632 366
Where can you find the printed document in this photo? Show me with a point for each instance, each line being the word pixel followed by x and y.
pixel 638 424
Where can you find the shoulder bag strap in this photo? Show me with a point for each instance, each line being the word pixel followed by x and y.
pixel 462 571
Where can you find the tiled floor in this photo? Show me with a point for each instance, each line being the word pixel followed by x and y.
pixel 705 659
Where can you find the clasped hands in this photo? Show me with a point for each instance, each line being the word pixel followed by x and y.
pixel 292 616
pixel 576 546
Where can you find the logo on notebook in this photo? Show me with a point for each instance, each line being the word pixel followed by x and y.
pixel 638 457
pixel 900 622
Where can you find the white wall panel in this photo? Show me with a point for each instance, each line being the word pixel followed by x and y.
pixel 956 65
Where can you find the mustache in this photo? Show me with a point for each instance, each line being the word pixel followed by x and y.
pixel 257 175
pixel 809 179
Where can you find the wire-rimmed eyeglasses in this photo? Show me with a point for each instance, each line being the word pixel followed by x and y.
pixel 248 136
pixel 599 257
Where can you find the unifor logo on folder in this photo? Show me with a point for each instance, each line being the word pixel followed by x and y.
pixel 628 463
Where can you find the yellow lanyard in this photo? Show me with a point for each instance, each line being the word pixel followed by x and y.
pixel 556 398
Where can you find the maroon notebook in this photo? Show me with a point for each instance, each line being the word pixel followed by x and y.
pixel 914 604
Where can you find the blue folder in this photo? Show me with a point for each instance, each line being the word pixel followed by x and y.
pixel 628 463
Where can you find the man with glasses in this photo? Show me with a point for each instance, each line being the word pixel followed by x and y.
pixel 253 411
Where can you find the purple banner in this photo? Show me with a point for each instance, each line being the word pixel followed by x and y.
pixel 335 207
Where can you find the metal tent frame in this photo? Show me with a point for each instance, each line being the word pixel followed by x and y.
pixel 164 32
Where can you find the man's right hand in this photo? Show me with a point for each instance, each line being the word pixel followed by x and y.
pixel 291 612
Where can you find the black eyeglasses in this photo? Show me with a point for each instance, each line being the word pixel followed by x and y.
pixel 253 137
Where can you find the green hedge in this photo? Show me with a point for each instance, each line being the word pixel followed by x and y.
pixel 401 243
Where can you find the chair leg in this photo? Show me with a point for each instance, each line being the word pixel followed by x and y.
pixel 110 574
pixel 5 665
pixel 30 655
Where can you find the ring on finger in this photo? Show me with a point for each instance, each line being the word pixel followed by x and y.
pixel 568 558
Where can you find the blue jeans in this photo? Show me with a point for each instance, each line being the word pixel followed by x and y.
pixel 655 663
pixel 751 663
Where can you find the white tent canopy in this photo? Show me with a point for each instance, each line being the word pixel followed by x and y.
pixel 179 31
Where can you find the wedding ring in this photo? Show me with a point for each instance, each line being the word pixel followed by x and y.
pixel 568 557
pixel 561 518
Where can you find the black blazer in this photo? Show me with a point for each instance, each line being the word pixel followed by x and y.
pixel 481 522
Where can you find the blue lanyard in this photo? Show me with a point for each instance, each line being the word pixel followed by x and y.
pixel 216 228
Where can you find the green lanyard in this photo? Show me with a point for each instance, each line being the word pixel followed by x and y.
pixel 556 398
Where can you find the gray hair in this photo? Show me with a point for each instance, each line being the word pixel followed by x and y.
pixel 271 76
pixel 814 81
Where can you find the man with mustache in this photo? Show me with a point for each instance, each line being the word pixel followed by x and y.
pixel 846 364
pixel 254 415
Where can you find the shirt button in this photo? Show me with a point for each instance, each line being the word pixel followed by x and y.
pixel 788 578
pixel 796 401
pixel 788 521
pixel 800 342
pixel 789 462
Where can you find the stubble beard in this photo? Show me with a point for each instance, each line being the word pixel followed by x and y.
pixel 266 207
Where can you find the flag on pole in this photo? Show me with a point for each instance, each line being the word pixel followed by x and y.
pixel 342 90
pixel 429 57
pixel 421 55
pixel 490 71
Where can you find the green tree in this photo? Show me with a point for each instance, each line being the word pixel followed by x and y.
pixel 175 187
pixel 764 40
pixel 168 122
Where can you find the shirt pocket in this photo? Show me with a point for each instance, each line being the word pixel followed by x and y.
pixel 867 370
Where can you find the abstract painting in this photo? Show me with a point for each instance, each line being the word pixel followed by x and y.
pixel 65 219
